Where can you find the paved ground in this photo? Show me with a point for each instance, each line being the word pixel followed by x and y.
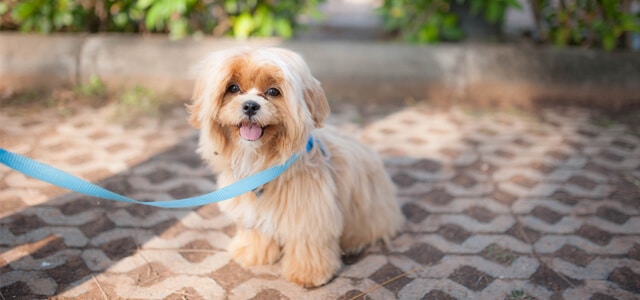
pixel 509 205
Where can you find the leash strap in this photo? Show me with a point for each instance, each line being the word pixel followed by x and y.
pixel 63 179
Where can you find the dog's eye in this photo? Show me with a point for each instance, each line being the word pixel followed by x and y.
pixel 273 92
pixel 234 88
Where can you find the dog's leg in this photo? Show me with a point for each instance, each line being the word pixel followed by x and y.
pixel 250 248
pixel 312 262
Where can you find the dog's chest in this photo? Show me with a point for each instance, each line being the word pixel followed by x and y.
pixel 246 163
pixel 254 212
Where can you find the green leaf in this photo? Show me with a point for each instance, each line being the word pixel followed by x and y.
pixel 267 26
pixel 231 6
pixel 284 28
pixel 450 20
pixel 27 25
pixel 152 19
pixel 136 14
pixel 259 16
pixel 608 42
pixel 178 29
pixel 120 19
pixel 159 13
pixel 494 12
pixel 561 36
pixel 24 10
pixel 62 19
pixel 452 33
pixel 243 25
pixel 3 8
pixel 143 4
pixel 476 6
pixel 428 34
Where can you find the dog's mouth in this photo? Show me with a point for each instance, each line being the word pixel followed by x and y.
pixel 251 131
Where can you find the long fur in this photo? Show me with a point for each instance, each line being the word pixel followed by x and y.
pixel 335 200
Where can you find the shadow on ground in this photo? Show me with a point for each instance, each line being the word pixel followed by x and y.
pixel 498 205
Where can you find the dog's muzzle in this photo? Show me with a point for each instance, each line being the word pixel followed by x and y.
pixel 250 130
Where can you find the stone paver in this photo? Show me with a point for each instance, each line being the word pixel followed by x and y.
pixel 499 206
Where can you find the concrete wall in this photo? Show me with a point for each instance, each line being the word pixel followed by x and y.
pixel 355 71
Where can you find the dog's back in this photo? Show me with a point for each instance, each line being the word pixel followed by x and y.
pixel 364 190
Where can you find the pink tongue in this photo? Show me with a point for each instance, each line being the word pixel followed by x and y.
pixel 250 132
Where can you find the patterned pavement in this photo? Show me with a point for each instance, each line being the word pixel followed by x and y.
pixel 499 205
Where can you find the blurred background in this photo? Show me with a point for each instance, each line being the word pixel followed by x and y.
pixel 444 51
pixel 606 24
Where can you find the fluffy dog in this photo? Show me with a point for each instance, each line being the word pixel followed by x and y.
pixel 255 109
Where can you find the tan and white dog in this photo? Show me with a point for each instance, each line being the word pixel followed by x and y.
pixel 255 109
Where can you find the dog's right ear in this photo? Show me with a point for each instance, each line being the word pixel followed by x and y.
pixel 194 109
pixel 204 100
pixel 213 74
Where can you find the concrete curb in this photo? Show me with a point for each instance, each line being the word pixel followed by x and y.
pixel 356 71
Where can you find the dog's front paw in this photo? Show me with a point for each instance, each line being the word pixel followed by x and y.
pixel 310 265
pixel 250 248
pixel 310 278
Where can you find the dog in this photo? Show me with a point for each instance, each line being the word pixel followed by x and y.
pixel 255 109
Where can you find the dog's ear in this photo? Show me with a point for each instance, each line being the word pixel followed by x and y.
pixel 203 96
pixel 316 101
pixel 194 109
pixel 313 93
pixel 213 74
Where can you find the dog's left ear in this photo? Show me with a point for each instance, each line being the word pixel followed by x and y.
pixel 316 101
pixel 313 93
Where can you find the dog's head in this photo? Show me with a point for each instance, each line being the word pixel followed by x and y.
pixel 257 98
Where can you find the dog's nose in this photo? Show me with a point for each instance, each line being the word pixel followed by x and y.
pixel 250 108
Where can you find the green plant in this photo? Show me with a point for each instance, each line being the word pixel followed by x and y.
pixel 589 23
pixel 494 11
pixel 265 19
pixel 499 254
pixel 585 22
pixel 167 14
pixel 94 88
pixel 519 295
pixel 238 18
pixel 3 8
pixel 139 101
pixel 178 18
pixel 429 21
pixel 46 15
pixel 425 21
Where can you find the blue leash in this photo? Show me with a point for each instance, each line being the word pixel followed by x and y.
pixel 60 178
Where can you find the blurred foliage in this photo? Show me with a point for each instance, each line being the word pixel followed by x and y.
pixel 589 23
pixel 494 11
pixel 178 18
pixel 421 21
pixel 44 15
pixel 95 87
pixel 429 21
pixel 586 22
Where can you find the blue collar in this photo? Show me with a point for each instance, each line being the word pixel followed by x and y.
pixel 310 143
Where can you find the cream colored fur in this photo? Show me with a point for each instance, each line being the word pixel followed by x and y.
pixel 326 204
